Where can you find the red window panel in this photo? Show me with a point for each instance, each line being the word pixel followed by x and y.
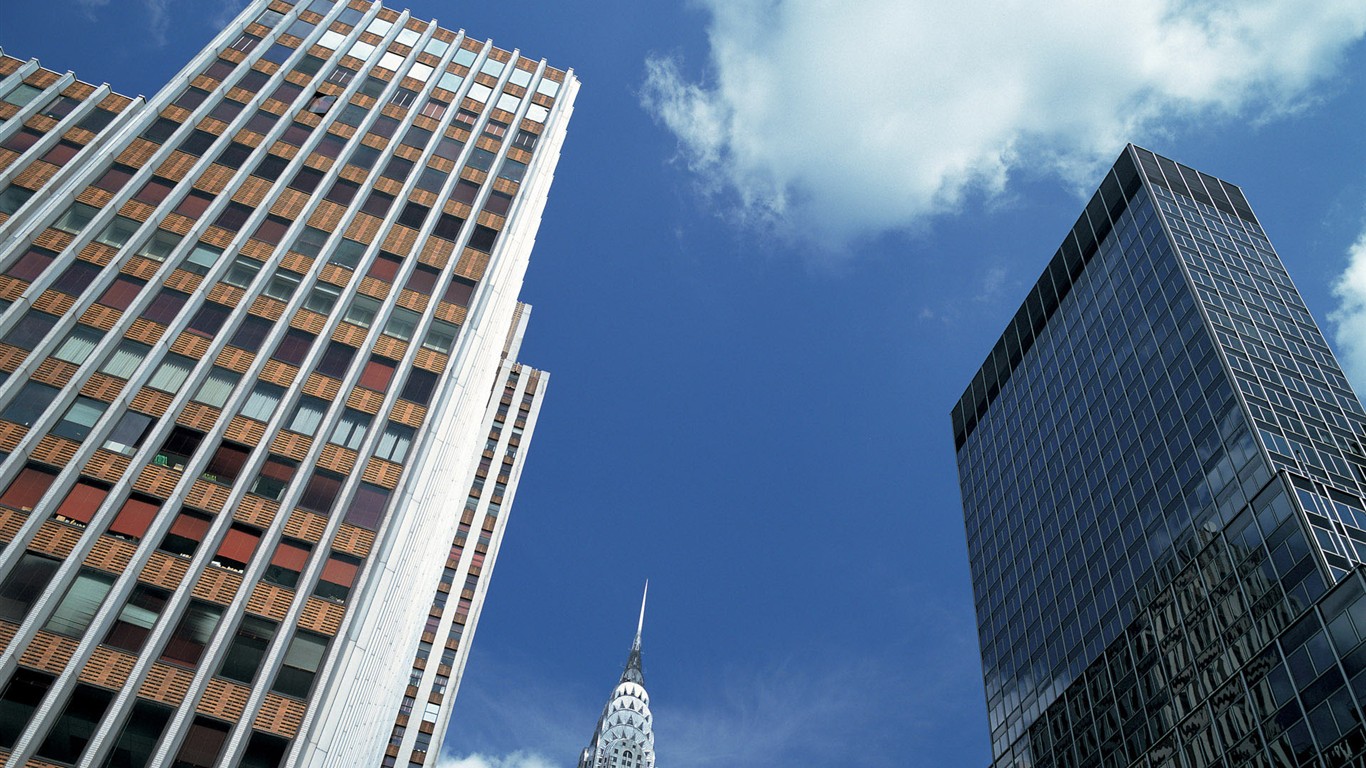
pixel 378 373
pixel 385 267
pixel 238 546
pixel 80 504
pixel 154 191
pixel 191 525
pixel 340 572
pixel 121 294
pixel 26 489
pixel 135 517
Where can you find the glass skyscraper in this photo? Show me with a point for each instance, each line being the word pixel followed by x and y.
pixel 261 418
pixel 1163 477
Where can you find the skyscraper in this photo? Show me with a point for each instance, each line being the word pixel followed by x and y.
pixel 1163 477
pixel 625 735
pixel 261 411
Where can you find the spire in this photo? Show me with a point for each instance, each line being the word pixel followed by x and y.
pixel 634 672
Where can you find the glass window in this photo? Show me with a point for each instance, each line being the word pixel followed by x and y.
pixel 18 700
pixel 308 414
pixel 234 215
pixel 202 744
pixel 287 563
pixel 217 387
pixel 194 204
pixel 122 292
pixel 395 442
pixel 251 333
pixel 270 167
pixel 22 94
pixel 413 215
pixel 186 532
pixel 209 320
pixel 127 435
pixel 141 731
pixel 30 403
pixel 78 345
pixel 32 264
pixel 81 502
pixel 79 419
pixel 62 152
pixel 242 272
pixel 283 284
pixel 342 192
pixel 135 621
pixel 306 180
pixel 302 660
pixel 402 323
pixel 339 575
pixel 420 386
pixel 192 634
pixel 310 241
pixel 321 492
pixel 160 245
pixel 448 226
pixel 247 648
pixel 322 298
pixel 347 253
pixel 78 607
pixel 24 584
pixel 436 47
pixel 179 446
pixel 351 428
pixel 272 229
pixel 226 463
pixel 171 374
pixel 275 476
pixel 293 347
pixel 12 198
pixel 378 372
pixel 336 359
pixel 262 401
pixel 201 259
pixel 125 359
pixel 362 310
pixel 237 547
pixel 76 278
pixel 75 218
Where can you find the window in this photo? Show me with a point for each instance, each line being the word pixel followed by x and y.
pixel 286 92
pixel 247 648
pixel 483 238
pixel 283 284
pixel 413 215
pixel 160 130
pixel 236 153
pixel 75 218
pixel 186 533
pixel 96 120
pixel 22 140
pixel 78 345
pixel 252 333
pixel 79 419
pixel 194 204
pixel 262 401
pixel 62 152
pixel 322 298
pixel 450 148
pixel 367 509
pixel 306 180
pixel 402 323
pixel 420 386
pixel 160 245
pixel 342 191
pixel 171 374
pixel 435 108
pixel 449 81
pixel 270 167
pixel 78 607
pixel 127 435
pixel 76 278
pixel 339 575
pixel 378 372
pixel 296 134
pixel 135 621
pixel 217 387
pixel 431 180
pixel 122 292
pixel 423 279
pixel 19 699
pixel 204 741
pixel 191 635
pixel 498 203
pixel 301 663
pixel 525 140
pixel 385 267
pixel 351 428
pixel 191 98
pixel 28 487
pixel 272 230
pixel 459 291
pixel 12 198
pixel 348 253
pixel 394 443
pixel 32 264
pixel 336 359
pixel 362 310
pixel 24 584
pixel 180 445
pixel 480 159
pixel 237 548
pixel 441 336
pixel 321 492
pixel 245 43
pixel 384 126
pixel 135 517
pixel 287 563
pixel 377 204
pixel 293 347
pixel 22 94
pixel 261 121
pixel 199 141
pixel 397 168
pixel 308 414
pixel 363 156
pixel 402 97
pixel 234 215
pixel 448 226
pixel 310 241
pixel 275 476
pixel 209 320
pixel 201 259
pixel 226 463
pixel 125 359
pixel 30 403
pixel 141 732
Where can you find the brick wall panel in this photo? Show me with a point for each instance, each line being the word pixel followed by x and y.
pixel 108 668
pixel 270 601
pixel 48 652
pixel 164 570
pixel 56 539
pixel 166 684
pixel 106 465
pixel 111 554
pixel 306 526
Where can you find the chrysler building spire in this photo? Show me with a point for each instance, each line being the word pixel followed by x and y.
pixel 625 734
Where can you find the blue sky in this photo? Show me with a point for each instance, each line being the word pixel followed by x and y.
pixel 783 235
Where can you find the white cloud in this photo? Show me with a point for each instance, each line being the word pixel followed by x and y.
pixel 514 760
pixel 857 117
pixel 1350 317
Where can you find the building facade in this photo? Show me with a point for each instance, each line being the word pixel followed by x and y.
pixel 1163 477
pixel 625 734
pixel 260 413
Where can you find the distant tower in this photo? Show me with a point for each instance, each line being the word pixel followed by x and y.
pixel 625 736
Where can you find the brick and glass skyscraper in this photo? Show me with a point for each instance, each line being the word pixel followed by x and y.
pixel 1163 479
pixel 261 419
